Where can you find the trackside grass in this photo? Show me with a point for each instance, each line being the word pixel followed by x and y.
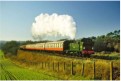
pixel 10 71
pixel 82 68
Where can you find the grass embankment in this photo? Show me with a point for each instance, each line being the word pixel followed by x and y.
pixel 44 62
pixel 111 56
pixel 10 71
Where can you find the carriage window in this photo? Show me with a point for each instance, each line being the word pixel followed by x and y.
pixel 46 45
pixel 51 45
pixel 57 45
pixel 54 45
pixel 61 45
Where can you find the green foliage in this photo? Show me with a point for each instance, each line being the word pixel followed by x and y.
pixel 10 47
pixel 109 42
pixel 1 54
pixel 117 47
pixel 99 45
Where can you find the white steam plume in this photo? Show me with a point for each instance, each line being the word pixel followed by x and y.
pixel 53 25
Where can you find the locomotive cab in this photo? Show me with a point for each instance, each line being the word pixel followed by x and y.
pixel 88 45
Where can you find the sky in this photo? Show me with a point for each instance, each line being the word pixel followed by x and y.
pixel 93 18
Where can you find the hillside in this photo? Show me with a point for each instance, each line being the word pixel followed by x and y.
pixel 70 68
pixel 11 71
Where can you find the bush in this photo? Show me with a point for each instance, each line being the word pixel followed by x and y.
pixel 10 47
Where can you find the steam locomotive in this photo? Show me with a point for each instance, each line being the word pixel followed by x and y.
pixel 80 48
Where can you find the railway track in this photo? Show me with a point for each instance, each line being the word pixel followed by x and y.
pixel 6 74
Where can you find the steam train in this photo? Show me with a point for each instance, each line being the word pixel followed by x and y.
pixel 80 48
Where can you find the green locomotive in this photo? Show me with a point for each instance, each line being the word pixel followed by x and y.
pixel 79 47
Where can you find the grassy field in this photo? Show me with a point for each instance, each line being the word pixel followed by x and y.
pixel 40 66
pixel 39 61
pixel 10 71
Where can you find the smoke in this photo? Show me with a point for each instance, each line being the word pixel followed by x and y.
pixel 54 25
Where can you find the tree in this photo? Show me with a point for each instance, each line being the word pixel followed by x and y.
pixel 99 45
pixel 11 47
pixel 109 42
pixel 117 47
pixel 113 40
pixel 110 47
